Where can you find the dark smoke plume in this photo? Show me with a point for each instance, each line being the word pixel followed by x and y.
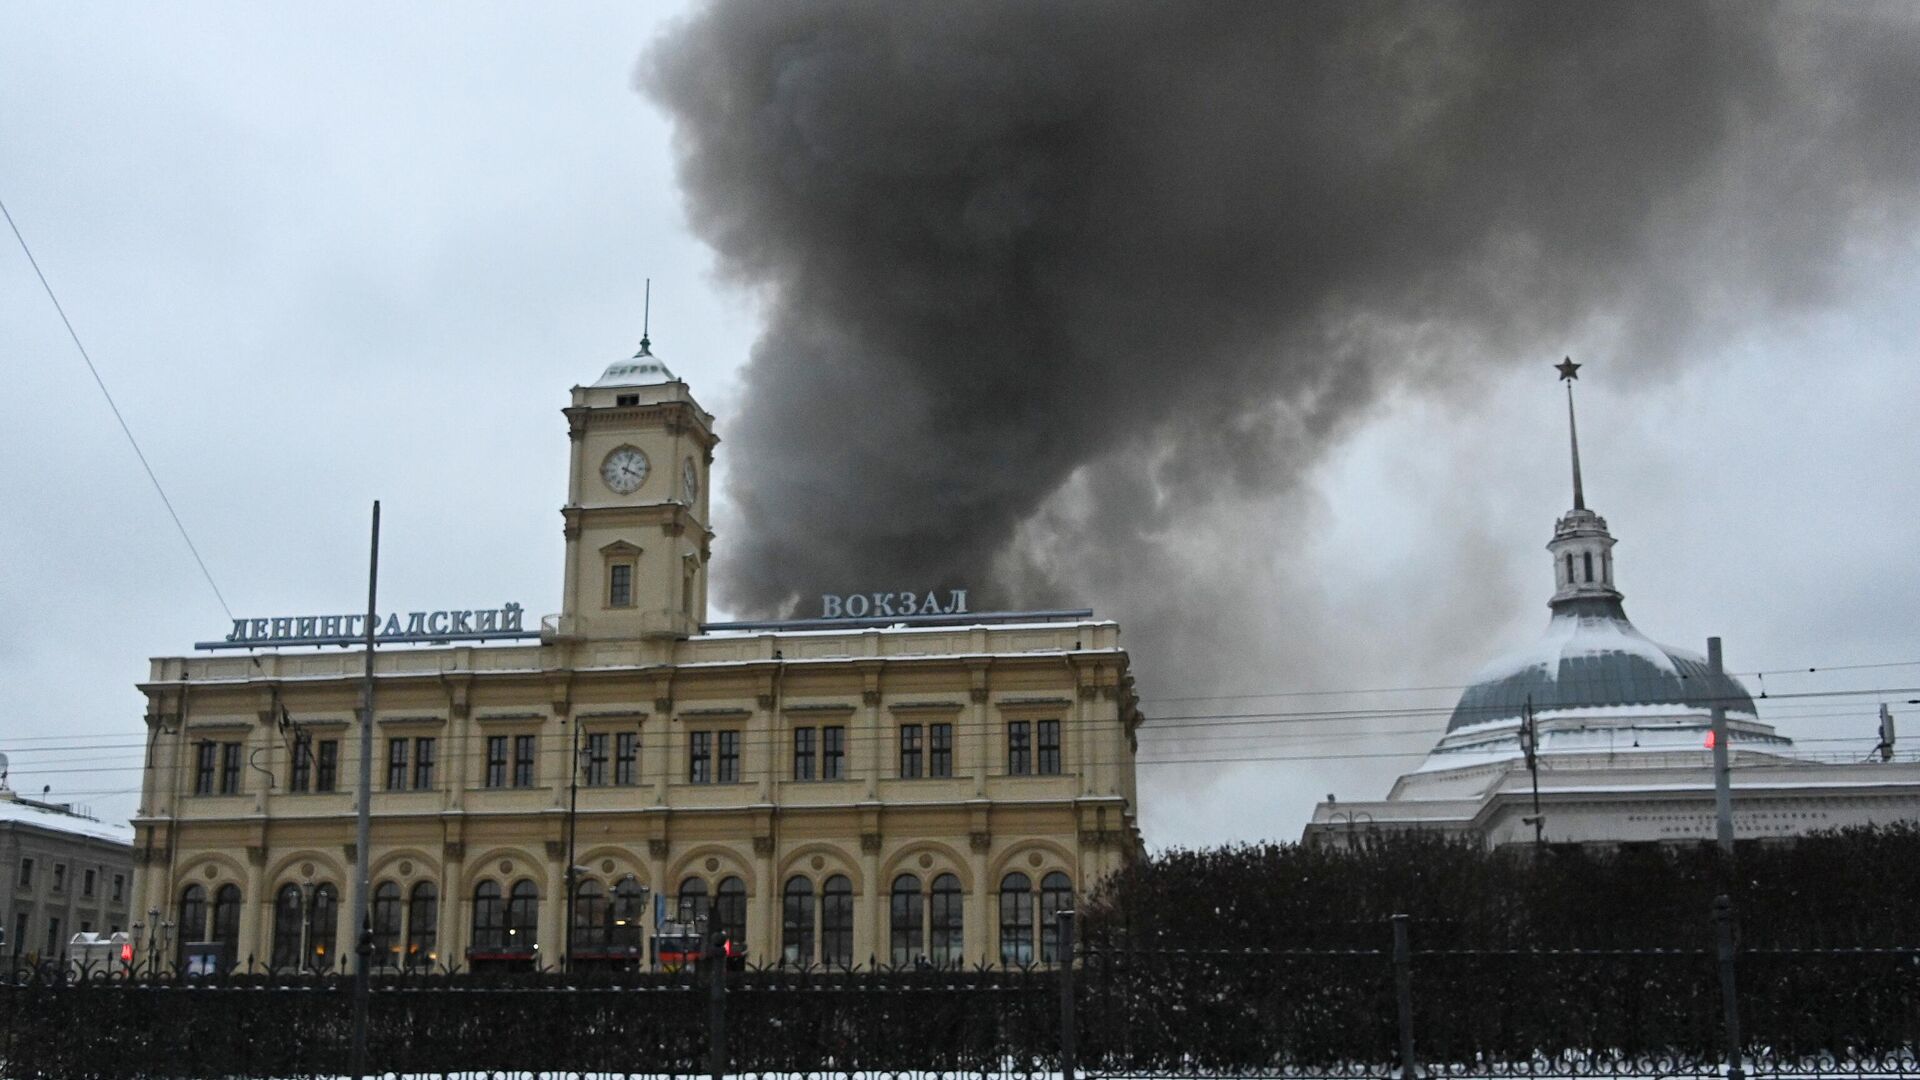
pixel 1044 282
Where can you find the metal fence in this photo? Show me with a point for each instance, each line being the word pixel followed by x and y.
pixel 1393 1010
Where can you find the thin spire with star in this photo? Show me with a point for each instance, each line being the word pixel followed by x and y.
pixel 1569 373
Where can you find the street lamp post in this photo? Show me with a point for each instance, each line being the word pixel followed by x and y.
pixel 1353 821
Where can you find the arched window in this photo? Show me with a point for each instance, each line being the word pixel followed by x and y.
pixel 1016 919
pixel 693 899
pixel 323 925
pixel 1587 557
pixel 1056 896
pixel 226 923
pixel 1606 567
pixel 193 919
pixel 1570 578
pixel 730 909
pixel 523 917
pixel 489 919
pixel 629 914
pixel 423 925
pixel 193 913
pixel 386 924
pixel 836 921
pixel 904 915
pixel 287 912
pixel 796 922
pixel 946 919
pixel 589 917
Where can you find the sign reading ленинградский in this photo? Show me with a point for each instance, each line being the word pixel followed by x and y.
pixel 470 625
pixel 890 604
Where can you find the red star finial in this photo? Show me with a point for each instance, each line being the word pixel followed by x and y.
pixel 1568 369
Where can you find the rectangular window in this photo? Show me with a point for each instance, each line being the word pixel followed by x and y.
pixel 1019 748
pixel 86 884
pixel 26 877
pixel 833 752
pixel 327 771
pixel 523 760
pixel 302 772
pixel 1049 763
pixel 59 877
pixel 496 761
pixel 939 749
pixel 119 887
pixel 729 765
pixel 910 751
pixel 53 937
pixel 620 585
pixel 626 759
pixel 396 764
pixel 229 768
pixel 803 753
pixel 596 764
pixel 203 769
pixel 423 754
pixel 700 757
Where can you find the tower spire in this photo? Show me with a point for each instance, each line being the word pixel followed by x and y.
pixel 646 318
pixel 1569 371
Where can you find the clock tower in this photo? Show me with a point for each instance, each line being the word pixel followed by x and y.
pixel 636 513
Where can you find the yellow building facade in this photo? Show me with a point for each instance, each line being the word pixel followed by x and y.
pixel 890 788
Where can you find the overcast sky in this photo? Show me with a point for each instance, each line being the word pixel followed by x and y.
pixel 327 255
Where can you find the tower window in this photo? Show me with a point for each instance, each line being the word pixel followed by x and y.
pixel 620 585
pixel 1570 578
pixel 1588 557
pixel 626 399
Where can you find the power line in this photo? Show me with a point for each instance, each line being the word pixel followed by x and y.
pixel 98 381
pixel 1822 668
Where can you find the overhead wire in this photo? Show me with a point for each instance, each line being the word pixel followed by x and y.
pixel 111 404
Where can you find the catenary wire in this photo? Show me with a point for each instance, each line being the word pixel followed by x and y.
pixel 135 443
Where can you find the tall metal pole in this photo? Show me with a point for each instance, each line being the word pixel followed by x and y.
pixel 362 809
pixel 1403 992
pixel 1531 733
pixel 1722 771
pixel 1726 948
pixel 573 875
pixel 1069 1051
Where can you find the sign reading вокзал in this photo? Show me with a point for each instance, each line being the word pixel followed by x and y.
pixel 891 604
pixel 469 625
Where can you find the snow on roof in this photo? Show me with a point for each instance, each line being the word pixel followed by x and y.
pixel 1591 659
pixel 27 813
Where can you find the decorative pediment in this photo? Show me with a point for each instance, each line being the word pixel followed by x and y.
pixel 619 548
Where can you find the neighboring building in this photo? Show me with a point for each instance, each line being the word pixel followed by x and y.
pixel 66 874
pixel 881 788
pixel 1621 725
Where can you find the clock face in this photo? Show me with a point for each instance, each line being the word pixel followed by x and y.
pixel 691 476
pixel 624 470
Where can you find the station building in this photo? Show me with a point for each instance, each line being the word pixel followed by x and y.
pixel 66 873
pixel 1595 734
pixel 888 789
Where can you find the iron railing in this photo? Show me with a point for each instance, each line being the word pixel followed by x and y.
pixel 1398 1009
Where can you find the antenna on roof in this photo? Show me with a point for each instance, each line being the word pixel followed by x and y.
pixel 646 318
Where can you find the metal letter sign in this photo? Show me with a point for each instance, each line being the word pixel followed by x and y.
pixel 888 604
pixel 506 621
